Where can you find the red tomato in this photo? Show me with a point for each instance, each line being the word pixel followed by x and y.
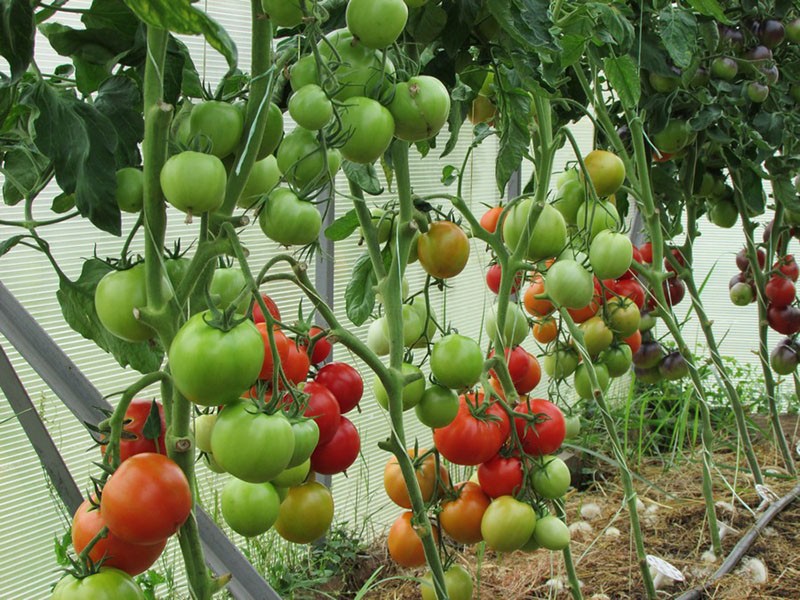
pixel 628 288
pixel 788 266
pixel 646 250
pixel 344 382
pixel 324 409
pixel 338 453
pixel 579 315
pixel 469 440
pixel 784 319
pixel 425 472
pixel 297 363
pixel 493 276
pixel 490 218
pixel 146 500
pixel 131 558
pixel 501 476
pixel 258 316
pixel 546 434
pixel 405 546
pixel 634 341
pixel 780 291
pixel 538 307
pixel 282 346
pixel 322 349
pixel 637 257
pixel 133 438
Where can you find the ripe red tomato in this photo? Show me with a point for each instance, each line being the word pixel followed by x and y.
pixel 405 546
pixel 469 440
pixel 282 346
pixel 133 437
pixel 258 316
pixel 146 500
pixel 628 288
pixel 443 250
pixel 461 518
pixel 493 276
pixel 338 453
pixel 538 307
pixel 784 319
pixel 545 331
pixel 646 252
pixel 547 433
pixel 780 291
pixel 344 382
pixel 324 409
pixel 297 363
pixel 490 218
pixel 788 266
pixel 322 348
pixel 500 476
pixel 131 558
pixel 634 341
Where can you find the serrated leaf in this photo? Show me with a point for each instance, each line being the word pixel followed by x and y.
pixel 752 190
pixel 710 8
pixel 458 112
pixel 9 243
pixel 449 175
pixel 179 16
pixel 343 227
pixel 17 34
pixel 427 24
pixel 623 75
pixel 614 26
pixel 514 137
pixel 527 22
pixel 120 99
pixel 23 169
pixel 679 34
pixel 359 295
pixel 81 142
pixel 785 193
pixel 152 426
pixel 364 176
pixel 77 305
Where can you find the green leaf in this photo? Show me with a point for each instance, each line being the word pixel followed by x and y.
pixel 179 16
pixel 785 193
pixel 752 190
pixel 112 15
pixel 427 24
pixel 614 27
pixel 17 33
pixel 458 112
pixel 623 75
pixel 152 426
pixel 679 34
pixel 515 115
pixel 9 243
pixel 526 21
pixel 23 169
pixel 359 295
pixel 343 227
pixel 82 143
pixel 710 8
pixel 180 73
pixel 449 175
pixel 63 203
pixel 120 99
pixel 77 305
pixel 364 176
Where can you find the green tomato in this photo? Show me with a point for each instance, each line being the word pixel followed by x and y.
pixel 572 425
pixel 369 128
pixel 571 196
pixel 288 220
pixel 194 182
pixel 516 327
pixel 437 407
pixel 457 582
pixel 552 478
pixel 507 524
pixel 225 287
pixel 301 159
pixel 383 222
pixel 560 362
pixel 377 340
pixel 306 438
pixel 306 513
pixel 723 214
pixel 676 135
pixel 310 107
pixel 116 297
pixel 617 359
pixel 212 367
pixel 412 326
pixel 596 335
pixel 567 177
pixel 549 235
pixel 610 254
pixel 304 72
pixel 606 171
pixel 411 393
pixel 130 189
pixel 428 318
pixel 203 426
pixel 249 509
pixel 551 533
pixel 264 177
pixel 623 316
pixel 218 124
pixel 376 23
pixel 107 584
pixel 251 445
pixel 420 107
pixel 457 361
pixel 595 217
pixel 284 13
pixel 359 70
pixel 273 132
pixel 569 284
pixel 582 384
pixel 293 475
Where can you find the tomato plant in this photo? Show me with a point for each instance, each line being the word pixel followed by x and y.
pixel 507 524
pixel 545 432
pixel 476 434
pixel 461 516
pixel 443 250
pixel 107 584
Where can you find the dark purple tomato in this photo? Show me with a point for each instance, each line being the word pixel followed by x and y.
pixel 771 33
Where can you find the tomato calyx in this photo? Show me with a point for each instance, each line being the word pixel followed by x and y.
pixel 479 408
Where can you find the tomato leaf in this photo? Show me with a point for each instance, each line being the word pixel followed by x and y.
pixel 359 295
pixel 9 243
pixel 77 305
pixel 17 33
pixel 81 142
pixel 710 8
pixel 613 28
pixel 63 203
pixel 23 168
pixel 120 99
pixel 152 426
pixel 515 106
pixel 427 24
pixel 679 34
pixel 527 22
pixel 180 73
pixel 364 176
pixel 179 16
pixel 623 75
pixel 343 227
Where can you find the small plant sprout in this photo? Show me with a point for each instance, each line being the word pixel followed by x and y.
pixel 662 572
pixel 767 496
pixel 755 570
pixel 590 511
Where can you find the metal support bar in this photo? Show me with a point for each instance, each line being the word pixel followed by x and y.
pixel 85 401
pixel 37 433
pixel 514 187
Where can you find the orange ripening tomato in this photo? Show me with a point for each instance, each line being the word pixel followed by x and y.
pixel 538 307
pixel 395 485
pixel 490 218
pixel 461 518
pixel 545 331
pixel 405 545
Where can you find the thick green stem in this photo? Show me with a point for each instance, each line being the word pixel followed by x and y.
pixel 763 352
pixel 619 455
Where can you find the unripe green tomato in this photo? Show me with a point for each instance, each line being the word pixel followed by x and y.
pixel 218 124
pixel 647 321
pixel 264 177
pixel 249 509
pixel 596 335
pixel 411 394
pixel 457 582
pixel 377 340
pixel 310 107
pixel 301 158
pixel 507 524
pixel 203 425
pixel 723 214
pixel 420 107
pixel 284 13
pixel 273 132
pixel 549 235
pixel 369 127
pixel 413 326
pixel 676 135
pixel 560 362
pixel 610 254
pixel 568 284
pixel 293 475
pixel 516 326
pixel 437 407
pixel 551 533
pixel 571 196
pixel 598 216
pixel 572 425
pixel 457 361
pixel 376 23
pixel 428 317
pixel 617 359
pixel 582 383
pixel 304 72
pixel 130 189
pixel 194 182
pixel 289 220
pixel 606 171
pixel 552 478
